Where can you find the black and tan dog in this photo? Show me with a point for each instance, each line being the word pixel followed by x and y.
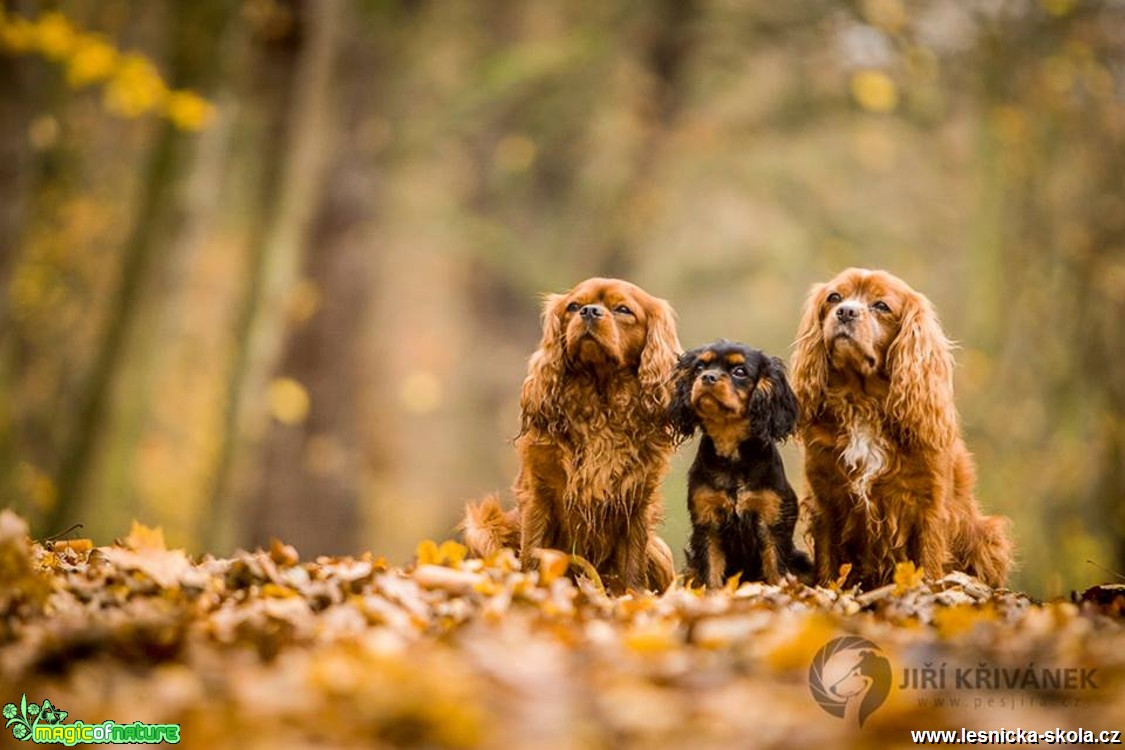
pixel 743 510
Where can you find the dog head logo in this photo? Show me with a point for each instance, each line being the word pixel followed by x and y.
pixel 849 678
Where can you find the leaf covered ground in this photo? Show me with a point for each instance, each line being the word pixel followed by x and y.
pixel 266 650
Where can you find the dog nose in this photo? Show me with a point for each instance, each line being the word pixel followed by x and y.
pixel 709 378
pixel 847 312
pixel 591 312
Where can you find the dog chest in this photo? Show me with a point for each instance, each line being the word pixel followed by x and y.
pixel 864 456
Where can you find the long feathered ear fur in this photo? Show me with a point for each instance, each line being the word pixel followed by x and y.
pixel 539 396
pixel 920 368
pixel 773 405
pixel 810 358
pixel 681 415
pixel 662 350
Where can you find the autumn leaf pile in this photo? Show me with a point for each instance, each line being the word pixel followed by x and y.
pixel 266 650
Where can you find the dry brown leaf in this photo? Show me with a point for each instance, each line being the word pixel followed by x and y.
pixel 143 538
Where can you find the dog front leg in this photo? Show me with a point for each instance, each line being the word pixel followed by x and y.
pixel 632 557
pixel 768 550
pixel 825 553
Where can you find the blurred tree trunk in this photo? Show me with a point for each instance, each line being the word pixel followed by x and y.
pixel 16 167
pixel 666 55
pixel 195 30
pixel 309 491
pixel 1047 266
pixel 290 190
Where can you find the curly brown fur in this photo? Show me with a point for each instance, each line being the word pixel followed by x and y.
pixel 594 439
pixel 888 475
pixel 743 509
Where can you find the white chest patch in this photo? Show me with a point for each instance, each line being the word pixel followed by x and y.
pixel 865 457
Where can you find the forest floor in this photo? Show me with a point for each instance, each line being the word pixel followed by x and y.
pixel 266 650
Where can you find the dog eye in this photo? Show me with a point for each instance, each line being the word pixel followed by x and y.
pixel 622 309
pixel 834 298
pixel 700 364
pixel 572 307
pixel 739 372
pixel 881 306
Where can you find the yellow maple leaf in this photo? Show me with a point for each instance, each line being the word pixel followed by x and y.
pixel 143 537
pixel 427 552
pixel 651 639
pixel 792 647
pixel 907 577
pixel 452 553
pixel 552 565
pixel 960 618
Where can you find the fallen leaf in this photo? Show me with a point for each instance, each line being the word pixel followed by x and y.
pixel 908 577
pixel 143 538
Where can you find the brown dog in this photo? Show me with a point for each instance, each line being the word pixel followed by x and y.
pixel 889 477
pixel 594 439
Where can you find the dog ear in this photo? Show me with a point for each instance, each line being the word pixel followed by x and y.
pixel 810 357
pixel 681 414
pixel 920 367
pixel 662 349
pixel 539 396
pixel 773 405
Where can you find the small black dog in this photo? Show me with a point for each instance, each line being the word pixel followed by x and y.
pixel 742 508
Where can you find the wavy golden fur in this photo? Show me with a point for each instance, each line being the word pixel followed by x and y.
pixel 889 478
pixel 594 437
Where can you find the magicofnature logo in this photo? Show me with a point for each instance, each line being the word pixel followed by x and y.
pixel 44 724
pixel 849 678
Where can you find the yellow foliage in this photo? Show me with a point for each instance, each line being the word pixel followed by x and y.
pixel 874 91
pixel 135 88
pixel 17 34
pixel 427 552
pixel 143 538
pixel 188 110
pixel 552 565
pixel 78 546
pixel 952 621
pixel 907 577
pixel 288 401
pixel 94 60
pixel 452 553
pixel 54 36
pixel 1059 7
pixel 449 553
pixel 795 647
pixel 653 638
pixel 133 85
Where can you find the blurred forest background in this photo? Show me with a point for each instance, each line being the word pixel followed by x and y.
pixel 271 267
